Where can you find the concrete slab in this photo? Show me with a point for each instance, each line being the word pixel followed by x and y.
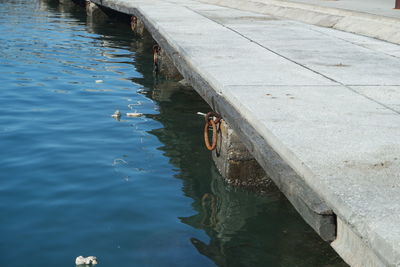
pixel 350 16
pixel 387 95
pixel 344 146
pixel 324 53
pixel 373 7
pixel 224 61
pixel 369 43
pixel 353 248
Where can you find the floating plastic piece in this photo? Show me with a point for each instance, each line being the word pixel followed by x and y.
pixel 91 260
pixel 99 81
pixel 117 114
pixel 134 114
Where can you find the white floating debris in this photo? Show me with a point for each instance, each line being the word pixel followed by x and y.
pixel 117 114
pixel 99 81
pixel 134 114
pixel 119 161
pixel 91 260
pixel 138 103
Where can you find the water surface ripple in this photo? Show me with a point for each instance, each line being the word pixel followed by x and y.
pixel 136 192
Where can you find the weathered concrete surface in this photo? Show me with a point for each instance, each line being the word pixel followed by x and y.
pixel 137 26
pixel 67 2
pixel 94 12
pixel 235 163
pixel 309 105
pixel 166 67
pixel 374 7
pixel 352 248
pixel 352 16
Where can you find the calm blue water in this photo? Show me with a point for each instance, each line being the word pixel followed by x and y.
pixel 136 192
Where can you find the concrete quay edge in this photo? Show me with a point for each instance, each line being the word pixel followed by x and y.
pixel 314 211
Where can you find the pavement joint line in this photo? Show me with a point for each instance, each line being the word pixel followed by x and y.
pixel 353 43
pixel 371 99
pixel 295 62
pixel 366 23
pixel 266 48
pixel 347 86
pixel 374 85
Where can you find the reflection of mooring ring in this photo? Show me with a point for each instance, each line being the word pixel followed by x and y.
pixel 214 135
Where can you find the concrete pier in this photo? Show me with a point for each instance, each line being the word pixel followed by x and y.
pixel 316 107
pixel 137 26
pixel 236 164
pixel 67 2
pixel 164 65
pixel 94 12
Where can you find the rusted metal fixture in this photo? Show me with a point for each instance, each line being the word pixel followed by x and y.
pixel 156 55
pixel 212 119
pixel 134 20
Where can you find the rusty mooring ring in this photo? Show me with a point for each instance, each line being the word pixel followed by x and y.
pixel 211 114
pixel 209 121
pixel 214 136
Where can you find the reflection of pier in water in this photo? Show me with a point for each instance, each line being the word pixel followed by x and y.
pixel 244 229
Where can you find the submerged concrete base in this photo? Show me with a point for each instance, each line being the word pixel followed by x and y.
pixel 94 12
pixel 235 163
pixel 67 2
pixel 137 26
pixel 166 67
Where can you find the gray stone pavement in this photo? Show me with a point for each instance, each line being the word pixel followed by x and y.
pixel 374 7
pixel 326 102
pixel 373 18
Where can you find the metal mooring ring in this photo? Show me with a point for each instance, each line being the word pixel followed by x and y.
pixel 214 135
pixel 211 114
pixel 210 121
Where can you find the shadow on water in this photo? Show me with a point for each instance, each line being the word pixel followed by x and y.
pixel 245 229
